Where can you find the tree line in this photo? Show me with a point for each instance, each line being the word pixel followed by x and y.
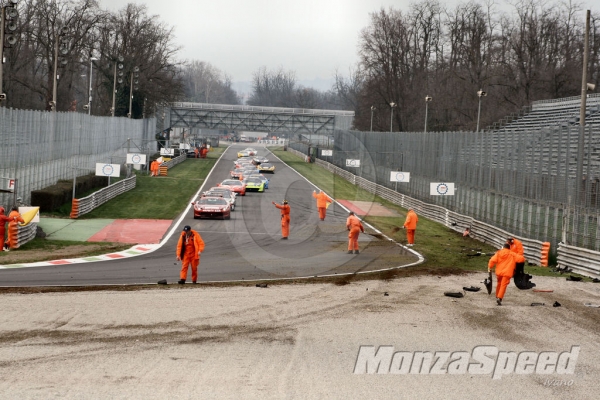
pixel 529 50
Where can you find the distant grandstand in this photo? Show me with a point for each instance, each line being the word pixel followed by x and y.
pixel 548 113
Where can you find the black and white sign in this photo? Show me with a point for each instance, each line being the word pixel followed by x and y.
pixel 352 163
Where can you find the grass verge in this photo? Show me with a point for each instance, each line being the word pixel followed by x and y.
pixel 445 251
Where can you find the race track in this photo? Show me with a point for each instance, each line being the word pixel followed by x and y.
pixel 246 247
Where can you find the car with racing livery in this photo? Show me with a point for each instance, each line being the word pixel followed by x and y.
pixel 259 160
pixel 263 178
pixel 266 167
pixel 235 185
pixel 223 192
pixel 255 184
pixel 212 207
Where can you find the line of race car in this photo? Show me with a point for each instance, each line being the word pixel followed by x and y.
pixel 247 175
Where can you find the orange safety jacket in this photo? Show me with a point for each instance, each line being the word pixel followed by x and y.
pixel 322 199
pixel 197 241
pixel 411 220
pixel 505 262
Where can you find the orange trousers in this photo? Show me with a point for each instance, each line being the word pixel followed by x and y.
pixel 285 226
pixel 185 263
pixel 501 286
pixel 410 236
pixel 322 212
pixel 353 239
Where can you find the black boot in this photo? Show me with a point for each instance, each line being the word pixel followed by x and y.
pixel 181 281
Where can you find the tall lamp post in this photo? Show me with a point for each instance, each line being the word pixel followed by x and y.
pixel 372 109
pixel 392 105
pixel 134 80
pixel 427 100
pixel 64 49
pixel 8 18
pixel 119 67
pixel 92 59
pixel 480 94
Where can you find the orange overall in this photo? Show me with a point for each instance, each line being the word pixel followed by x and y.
pixel 322 200
pixel 517 247
pixel 154 168
pixel 505 261
pixel 3 220
pixel 285 219
pixel 354 226
pixel 189 248
pixel 14 219
pixel 411 226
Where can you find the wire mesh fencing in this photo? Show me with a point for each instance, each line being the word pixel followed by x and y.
pixel 541 184
pixel 37 149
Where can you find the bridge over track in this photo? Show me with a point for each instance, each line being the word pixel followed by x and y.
pixel 261 119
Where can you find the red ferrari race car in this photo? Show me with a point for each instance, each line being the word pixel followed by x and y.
pixel 234 185
pixel 212 207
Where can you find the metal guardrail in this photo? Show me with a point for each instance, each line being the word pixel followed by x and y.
pixel 94 200
pixel 585 262
pixel 174 161
pixel 26 233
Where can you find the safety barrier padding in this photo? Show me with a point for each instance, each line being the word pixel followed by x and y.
pixel 74 209
pixel 544 254
pixel 20 234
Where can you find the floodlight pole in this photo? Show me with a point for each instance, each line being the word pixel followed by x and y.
pixel 55 82
pixel 427 100
pixel 586 52
pixel 90 91
pixel 392 105
pixel 372 109
pixel 112 110
pixel 480 94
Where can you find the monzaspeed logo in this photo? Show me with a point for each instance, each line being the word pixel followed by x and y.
pixel 482 360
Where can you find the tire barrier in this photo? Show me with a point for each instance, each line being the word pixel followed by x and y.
pixel 20 234
pixel 544 254
pixel 74 209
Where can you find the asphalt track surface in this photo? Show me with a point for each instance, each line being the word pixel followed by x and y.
pixel 247 247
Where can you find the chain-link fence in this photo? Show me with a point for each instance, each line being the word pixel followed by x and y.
pixel 37 149
pixel 540 184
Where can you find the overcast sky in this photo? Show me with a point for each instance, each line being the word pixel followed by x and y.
pixel 311 37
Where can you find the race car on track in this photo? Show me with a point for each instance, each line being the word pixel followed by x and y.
pixel 223 192
pixel 259 160
pixel 266 167
pixel 255 184
pixel 212 207
pixel 243 153
pixel 235 185
pixel 263 178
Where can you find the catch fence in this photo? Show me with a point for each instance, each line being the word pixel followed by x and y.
pixel 40 148
pixel 540 184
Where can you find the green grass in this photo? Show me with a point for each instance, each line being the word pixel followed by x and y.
pixel 445 251
pixel 163 197
pixel 442 247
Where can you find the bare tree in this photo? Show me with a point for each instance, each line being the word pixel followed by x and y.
pixel 274 89
pixel 205 83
